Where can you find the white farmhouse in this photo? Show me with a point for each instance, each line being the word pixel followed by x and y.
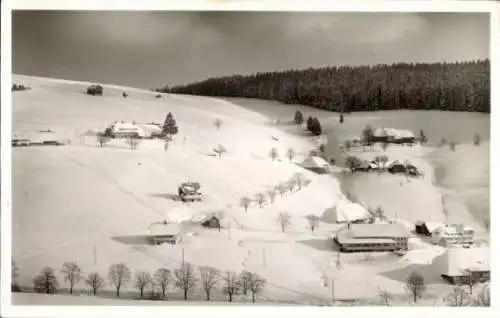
pixel 124 130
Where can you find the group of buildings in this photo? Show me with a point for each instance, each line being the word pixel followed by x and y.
pixel 41 137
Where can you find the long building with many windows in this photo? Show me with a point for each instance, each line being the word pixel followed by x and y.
pixel 372 237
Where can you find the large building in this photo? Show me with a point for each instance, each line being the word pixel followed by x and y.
pixel 458 265
pixel 372 237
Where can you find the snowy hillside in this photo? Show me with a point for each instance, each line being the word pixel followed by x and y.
pixel 72 200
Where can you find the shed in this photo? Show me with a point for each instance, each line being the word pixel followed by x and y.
pixel 212 222
pixel 426 228
pixel 164 232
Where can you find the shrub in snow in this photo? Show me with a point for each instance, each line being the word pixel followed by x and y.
pixel 313 222
pixel 95 90
pixel 385 297
pixel 170 126
pixel 219 150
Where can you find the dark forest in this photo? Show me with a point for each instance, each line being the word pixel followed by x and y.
pixel 463 86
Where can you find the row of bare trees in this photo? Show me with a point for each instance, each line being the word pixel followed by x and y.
pixel 297 182
pixel 185 278
pixel 458 297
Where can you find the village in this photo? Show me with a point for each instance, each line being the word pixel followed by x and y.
pixel 360 229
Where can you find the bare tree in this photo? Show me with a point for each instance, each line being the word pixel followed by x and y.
pixel 209 279
pixel 72 274
pixel 290 154
pixel 483 298
pixel 162 278
pixel 347 145
pixel 470 279
pixel 231 284
pixel 133 141
pixel 245 281
pixel 477 139
pixel 452 145
pixel 260 198
pixel 219 150
pixel 282 189
pixel 379 213
pixel 415 285
pixel 119 276
pixel 442 142
pixel 313 221
pixel 385 297
pixel 352 163
pixel 256 285
pixel 95 281
pixel 299 179
pixel 185 279
pixel 46 281
pixel 14 274
pixel 272 195
pixel 166 145
pixel 142 281
pixel 284 221
pixel 245 203
pixel 457 297
pixel 102 139
pixel 291 184
pixel 384 159
pixel 273 153
pixel 385 145
pixel 218 123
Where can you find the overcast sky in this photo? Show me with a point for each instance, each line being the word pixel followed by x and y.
pixel 151 49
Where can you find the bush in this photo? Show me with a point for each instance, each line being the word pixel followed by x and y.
pixel 95 90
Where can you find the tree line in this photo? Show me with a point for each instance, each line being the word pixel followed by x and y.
pixel 463 86
pixel 153 286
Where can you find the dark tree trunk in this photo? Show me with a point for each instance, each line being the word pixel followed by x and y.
pixel 95 291
pixel 253 297
pixel 117 291
pixel 230 297
pixel 142 292
pixel 163 289
pixel 71 289
pixel 185 294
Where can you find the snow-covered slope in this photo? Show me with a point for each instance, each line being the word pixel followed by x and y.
pixel 93 205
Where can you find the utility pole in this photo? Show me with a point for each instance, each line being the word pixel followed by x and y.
pixel 264 257
pixel 183 257
pixel 333 290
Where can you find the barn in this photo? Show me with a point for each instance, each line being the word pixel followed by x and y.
pixel 315 164
pixel 164 232
pixel 372 238
pixel 457 265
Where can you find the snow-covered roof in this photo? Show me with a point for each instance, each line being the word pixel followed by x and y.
pixel 345 211
pixel 314 162
pixel 456 260
pixel 391 132
pixel 164 228
pixel 450 229
pixel 432 226
pixel 372 231
pixel 125 126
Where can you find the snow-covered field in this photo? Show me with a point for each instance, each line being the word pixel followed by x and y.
pixel 72 200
